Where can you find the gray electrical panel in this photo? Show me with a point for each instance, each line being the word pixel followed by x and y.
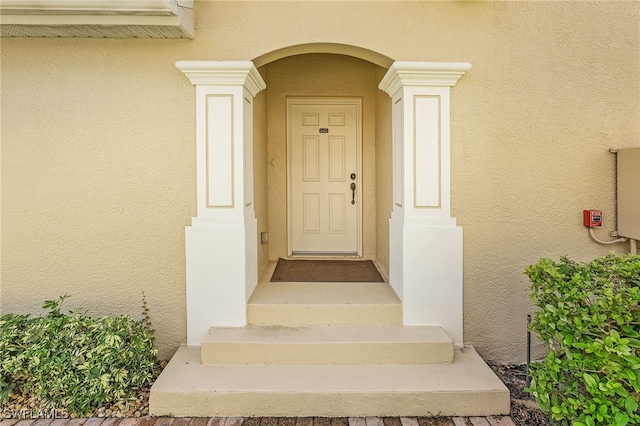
pixel 629 193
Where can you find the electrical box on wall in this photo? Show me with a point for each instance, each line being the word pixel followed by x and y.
pixel 592 218
pixel 629 193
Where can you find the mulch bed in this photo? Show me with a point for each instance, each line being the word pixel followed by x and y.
pixel 524 410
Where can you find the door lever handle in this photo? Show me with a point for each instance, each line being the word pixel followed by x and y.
pixel 353 192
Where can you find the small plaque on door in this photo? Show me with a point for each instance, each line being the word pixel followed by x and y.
pixel 323 130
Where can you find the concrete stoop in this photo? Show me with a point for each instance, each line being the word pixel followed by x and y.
pixel 327 350
pixel 467 387
pixel 327 344
pixel 295 304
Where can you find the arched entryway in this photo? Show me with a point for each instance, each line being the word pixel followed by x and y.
pixel 324 79
pixel 405 167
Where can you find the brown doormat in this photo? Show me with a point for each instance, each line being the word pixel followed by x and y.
pixel 328 271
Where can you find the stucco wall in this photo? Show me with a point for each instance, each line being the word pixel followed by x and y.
pixel 318 75
pixel 261 174
pixel 98 174
pixel 98 145
pixel 549 93
pixel 384 176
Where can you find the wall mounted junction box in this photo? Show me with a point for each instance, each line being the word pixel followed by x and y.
pixel 629 193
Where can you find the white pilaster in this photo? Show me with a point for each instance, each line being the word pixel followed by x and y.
pixel 425 259
pixel 221 243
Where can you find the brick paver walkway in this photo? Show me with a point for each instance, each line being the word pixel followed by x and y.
pixel 267 421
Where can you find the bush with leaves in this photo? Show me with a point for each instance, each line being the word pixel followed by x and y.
pixel 74 361
pixel 589 315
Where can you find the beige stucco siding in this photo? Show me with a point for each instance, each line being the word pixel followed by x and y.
pixel 98 173
pixel 384 176
pixel 530 152
pixel 98 144
pixel 261 175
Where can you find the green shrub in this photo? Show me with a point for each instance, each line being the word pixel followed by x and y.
pixel 589 315
pixel 74 361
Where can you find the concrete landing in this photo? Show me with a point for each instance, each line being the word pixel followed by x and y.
pixel 324 344
pixel 295 304
pixel 466 387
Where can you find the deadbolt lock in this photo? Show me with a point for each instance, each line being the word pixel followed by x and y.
pixel 353 176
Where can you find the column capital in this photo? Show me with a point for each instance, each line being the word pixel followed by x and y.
pixel 225 73
pixel 404 73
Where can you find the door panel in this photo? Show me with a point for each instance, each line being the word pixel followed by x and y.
pixel 311 213
pixel 337 214
pixel 311 159
pixel 337 154
pixel 324 213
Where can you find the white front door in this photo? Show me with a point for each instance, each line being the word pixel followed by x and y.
pixel 324 176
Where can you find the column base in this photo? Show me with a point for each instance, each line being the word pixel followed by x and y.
pixel 221 264
pixel 425 269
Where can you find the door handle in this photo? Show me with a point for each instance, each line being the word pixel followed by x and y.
pixel 353 192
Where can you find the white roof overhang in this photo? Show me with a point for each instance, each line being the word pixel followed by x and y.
pixel 98 18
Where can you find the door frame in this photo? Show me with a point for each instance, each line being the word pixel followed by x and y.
pixel 326 100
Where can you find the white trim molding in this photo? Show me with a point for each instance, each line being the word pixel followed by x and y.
pixel 425 244
pixel 403 73
pixel 228 73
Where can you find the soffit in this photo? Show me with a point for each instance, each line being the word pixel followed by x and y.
pixel 98 18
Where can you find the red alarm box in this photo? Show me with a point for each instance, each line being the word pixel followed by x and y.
pixel 592 218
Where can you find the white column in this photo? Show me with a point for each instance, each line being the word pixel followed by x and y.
pixel 425 244
pixel 221 243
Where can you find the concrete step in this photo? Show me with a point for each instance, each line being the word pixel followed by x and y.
pixel 297 304
pixel 467 387
pixel 327 344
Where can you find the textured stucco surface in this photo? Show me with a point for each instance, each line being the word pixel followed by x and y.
pixel 97 179
pixel 384 176
pixel 98 145
pixel 260 175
